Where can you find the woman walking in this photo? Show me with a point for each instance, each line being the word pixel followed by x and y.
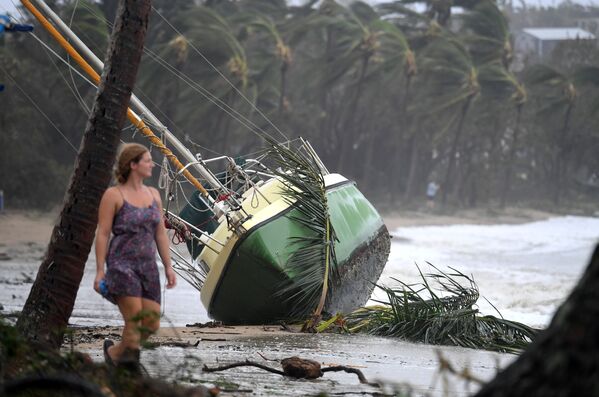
pixel 133 213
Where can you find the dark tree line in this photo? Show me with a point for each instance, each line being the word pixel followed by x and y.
pixel 390 97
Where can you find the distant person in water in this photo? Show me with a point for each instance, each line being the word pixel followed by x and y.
pixel 431 192
pixel 133 213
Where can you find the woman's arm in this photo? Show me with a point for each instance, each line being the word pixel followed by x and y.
pixel 163 246
pixel 106 213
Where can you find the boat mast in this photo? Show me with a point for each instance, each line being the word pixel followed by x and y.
pixel 135 102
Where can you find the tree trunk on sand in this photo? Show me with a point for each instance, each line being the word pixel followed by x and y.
pixel 564 359
pixel 50 302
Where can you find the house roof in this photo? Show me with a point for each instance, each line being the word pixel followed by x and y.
pixel 559 33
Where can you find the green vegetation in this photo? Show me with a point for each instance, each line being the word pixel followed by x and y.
pixel 388 96
pixel 313 261
pixel 419 314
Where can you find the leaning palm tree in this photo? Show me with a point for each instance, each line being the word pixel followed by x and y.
pixel 560 94
pixel 453 85
pixel 489 42
pixel 279 55
pixel 362 39
pixel 50 303
pixel 488 34
pixel 499 85
pixel 399 60
pixel 203 48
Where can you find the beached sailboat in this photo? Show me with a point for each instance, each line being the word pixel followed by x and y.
pixel 270 237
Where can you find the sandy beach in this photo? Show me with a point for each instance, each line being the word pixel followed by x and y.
pixel 23 240
pixel 35 227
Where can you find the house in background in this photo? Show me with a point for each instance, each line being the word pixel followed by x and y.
pixel 541 41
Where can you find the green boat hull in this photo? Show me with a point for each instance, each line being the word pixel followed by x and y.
pixel 246 292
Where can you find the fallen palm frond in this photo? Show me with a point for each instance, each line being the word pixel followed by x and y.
pixel 415 312
pixel 312 264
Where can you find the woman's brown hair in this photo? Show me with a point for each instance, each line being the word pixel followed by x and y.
pixel 129 153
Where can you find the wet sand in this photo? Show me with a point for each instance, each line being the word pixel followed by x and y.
pixel 182 351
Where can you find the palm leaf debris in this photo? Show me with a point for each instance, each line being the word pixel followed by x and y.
pixel 313 263
pixel 419 313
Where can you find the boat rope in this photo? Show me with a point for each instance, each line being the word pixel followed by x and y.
pixel 187 80
pixel 221 75
pixel 195 86
pixel 137 90
pixel 138 122
pixel 48 50
pixel 215 100
pixel 76 94
pixel 232 112
pixel 69 61
pixel 163 179
pixel 38 108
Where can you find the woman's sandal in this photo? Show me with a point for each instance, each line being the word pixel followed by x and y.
pixel 107 358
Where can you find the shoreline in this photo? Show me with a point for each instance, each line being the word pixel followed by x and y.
pixel 478 216
pixel 18 227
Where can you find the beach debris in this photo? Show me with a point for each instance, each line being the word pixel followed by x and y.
pixel 153 345
pixel 296 367
pixel 209 324
pixel 445 366
pixel 28 368
pixel 300 368
pixel 445 315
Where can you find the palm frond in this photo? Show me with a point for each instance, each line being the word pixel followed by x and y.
pixel 312 266
pixel 417 313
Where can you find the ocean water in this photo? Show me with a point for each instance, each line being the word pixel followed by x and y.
pixel 525 271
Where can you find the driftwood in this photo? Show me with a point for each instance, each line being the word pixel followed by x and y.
pixel 297 368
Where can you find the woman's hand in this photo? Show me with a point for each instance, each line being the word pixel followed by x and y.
pixel 99 277
pixel 171 277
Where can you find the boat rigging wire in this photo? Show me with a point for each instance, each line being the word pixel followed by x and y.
pixel 130 114
pixel 37 107
pixel 239 117
pixel 221 74
pixel 69 59
pixel 47 49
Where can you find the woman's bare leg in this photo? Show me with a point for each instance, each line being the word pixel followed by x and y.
pixel 151 318
pixel 130 307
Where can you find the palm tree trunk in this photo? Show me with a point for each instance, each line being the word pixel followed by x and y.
pixel 348 141
pixel 284 68
pixel 50 302
pixel 454 149
pixel 414 163
pixel 561 157
pixel 324 129
pixel 511 159
pixel 399 136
